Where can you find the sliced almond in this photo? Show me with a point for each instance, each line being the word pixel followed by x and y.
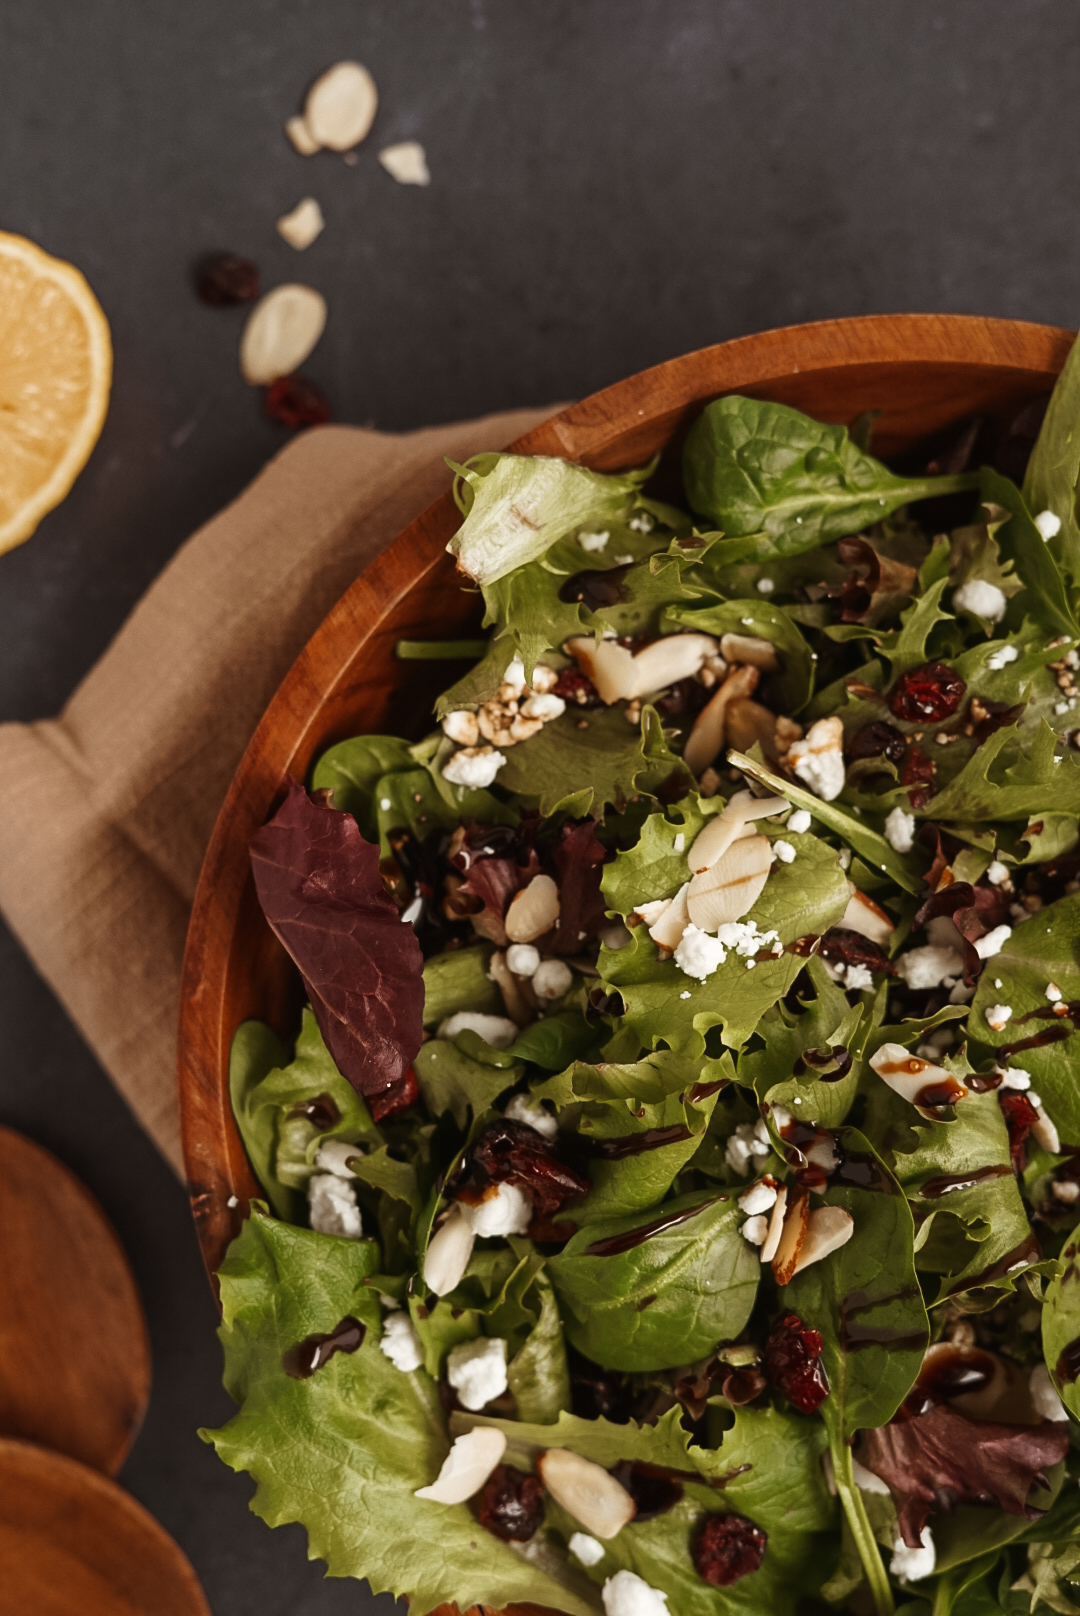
pixel 281 331
pixel 751 649
pixel 732 886
pixel 1045 1134
pixel 916 1080
pixel 793 1235
pixel 776 1225
pixel 707 736
pixel 301 137
pixel 666 661
pixel 867 918
pixel 610 666
pixel 448 1253
pixel 466 1467
pixel 667 929
pixel 742 810
pixel 406 162
pixel 303 225
pixel 514 1001
pixel 340 106
pixel 829 1228
pixel 533 911
pixel 586 1491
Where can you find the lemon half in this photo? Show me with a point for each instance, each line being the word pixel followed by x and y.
pixel 55 373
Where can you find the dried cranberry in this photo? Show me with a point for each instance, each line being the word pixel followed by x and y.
pixel 684 699
pixel 793 1363
pixel 577 689
pixel 852 948
pixel 296 403
pixel 927 695
pixel 877 740
pixel 512 1504
pixel 398 1097
pixel 652 1487
pixel 225 278
pixel 726 1548
pixel 513 1153
pixel 1020 1117
pixel 919 771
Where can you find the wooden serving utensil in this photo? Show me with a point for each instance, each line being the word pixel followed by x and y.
pixel 74 1353
pixel 73 1543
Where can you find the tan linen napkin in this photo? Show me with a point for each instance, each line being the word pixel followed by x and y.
pixel 106 811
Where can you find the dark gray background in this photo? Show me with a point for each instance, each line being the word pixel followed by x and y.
pixel 614 182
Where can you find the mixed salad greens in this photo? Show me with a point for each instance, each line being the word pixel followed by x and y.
pixel 671 1191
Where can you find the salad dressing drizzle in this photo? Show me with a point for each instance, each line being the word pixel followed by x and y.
pixel 322 1112
pixel 300 1362
pixel 613 1245
pixel 948 1182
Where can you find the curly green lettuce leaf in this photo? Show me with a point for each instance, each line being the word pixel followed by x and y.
pixel 344 1450
pixel 1041 950
pixel 670 1297
pixel 1061 1327
pixel 1001 782
pixel 459 980
pixel 452 1080
pixel 831 1031
pixel 517 506
pixel 1021 542
pixel 538 1374
pixel 756 467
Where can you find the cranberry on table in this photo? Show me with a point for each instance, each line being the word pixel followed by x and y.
pixel 226 278
pixel 926 695
pixel 793 1363
pixel 296 403
pixel 511 1504
pixel 726 1548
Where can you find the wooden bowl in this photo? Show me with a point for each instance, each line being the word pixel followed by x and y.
pixel 922 372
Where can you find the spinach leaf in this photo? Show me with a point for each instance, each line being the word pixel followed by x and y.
pixel 669 1297
pixel 755 467
pixel 554 1042
pixel 352 771
pixel 1022 543
pixel 538 1375
pixel 1052 481
pixel 632 1182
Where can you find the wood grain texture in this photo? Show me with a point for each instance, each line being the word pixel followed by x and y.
pixel 922 372
pixel 73 1543
pixel 74 1353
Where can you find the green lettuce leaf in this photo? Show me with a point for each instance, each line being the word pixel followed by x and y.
pixel 760 468
pixel 1061 1328
pixel 1052 480
pixel 516 506
pixel 1000 781
pixel 538 1374
pixel 344 1451
pixel 452 1081
pixel 600 751
pixel 459 981
pixel 1020 540
pixel 352 771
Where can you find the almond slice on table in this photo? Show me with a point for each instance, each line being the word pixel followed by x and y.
pixel 300 137
pixel 303 225
pixel 742 810
pixel 829 1228
pixel 867 918
pixel 792 1236
pixel 732 886
pixel 406 162
pixel 466 1467
pixel 751 649
pixel 533 911
pixel 54 383
pixel 281 330
pixel 340 106
pixel 586 1491
pixel 776 1226
pixel 707 736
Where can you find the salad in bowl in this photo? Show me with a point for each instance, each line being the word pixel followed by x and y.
pixel 670 1193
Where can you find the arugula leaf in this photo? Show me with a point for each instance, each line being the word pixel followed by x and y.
pixel 757 467
pixel 344 1451
pixel 1023 544
pixel 516 506
pixel 1041 950
pixel 670 1297
pixel 1052 480
pixel 1022 783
